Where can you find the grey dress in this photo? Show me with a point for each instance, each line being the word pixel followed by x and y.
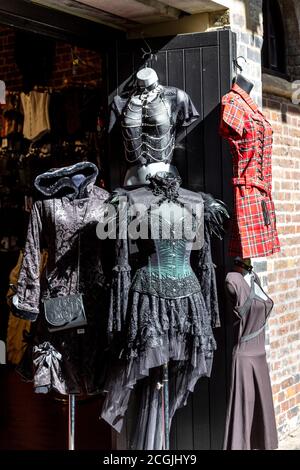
pixel 250 422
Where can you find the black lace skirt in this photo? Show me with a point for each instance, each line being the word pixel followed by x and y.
pixel 159 331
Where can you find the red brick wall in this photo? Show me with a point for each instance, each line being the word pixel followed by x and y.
pixel 62 70
pixel 283 269
pixel 9 71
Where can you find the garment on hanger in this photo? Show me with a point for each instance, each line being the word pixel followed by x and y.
pixel 150 122
pixel 68 361
pixel 163 302
pixel 250 421
pixel 249 134
pixel 36 114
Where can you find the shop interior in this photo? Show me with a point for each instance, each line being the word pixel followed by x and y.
pixel 52 115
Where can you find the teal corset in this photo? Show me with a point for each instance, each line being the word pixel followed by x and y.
pixel 168 273
pixel 171 259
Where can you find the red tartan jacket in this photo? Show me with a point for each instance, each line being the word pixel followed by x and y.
pixel 249 134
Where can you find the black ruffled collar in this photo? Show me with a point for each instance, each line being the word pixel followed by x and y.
pixel 165 184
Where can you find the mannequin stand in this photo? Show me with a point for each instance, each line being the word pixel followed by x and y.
pixel 166 406
pixel 71 422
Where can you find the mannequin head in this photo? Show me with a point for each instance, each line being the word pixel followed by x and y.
pixel 146 77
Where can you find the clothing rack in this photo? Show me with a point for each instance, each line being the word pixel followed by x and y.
pixel 12 93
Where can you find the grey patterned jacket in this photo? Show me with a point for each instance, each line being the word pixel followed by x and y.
pixel 55 223
pixel 66 361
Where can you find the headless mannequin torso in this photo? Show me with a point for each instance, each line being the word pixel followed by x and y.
pixel 148 85
pixel 258 290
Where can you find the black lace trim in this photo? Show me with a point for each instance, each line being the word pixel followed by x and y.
pixel 166 185
pixel 164 286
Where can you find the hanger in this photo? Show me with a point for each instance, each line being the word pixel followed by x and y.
pixel 240 79
pixel 148 53
pixel 237 65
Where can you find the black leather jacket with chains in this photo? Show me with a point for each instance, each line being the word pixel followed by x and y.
pixel 150 121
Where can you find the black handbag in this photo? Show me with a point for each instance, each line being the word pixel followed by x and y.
pixel 65 312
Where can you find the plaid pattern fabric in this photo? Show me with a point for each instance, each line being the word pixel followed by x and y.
pixel 250 136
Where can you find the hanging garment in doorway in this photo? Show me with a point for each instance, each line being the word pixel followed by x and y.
pixel 249 134
pixel 36 114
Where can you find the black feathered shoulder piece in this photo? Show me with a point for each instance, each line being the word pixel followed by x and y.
pixel 215 215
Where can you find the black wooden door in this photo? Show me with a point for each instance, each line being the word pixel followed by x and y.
pixel 200 64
